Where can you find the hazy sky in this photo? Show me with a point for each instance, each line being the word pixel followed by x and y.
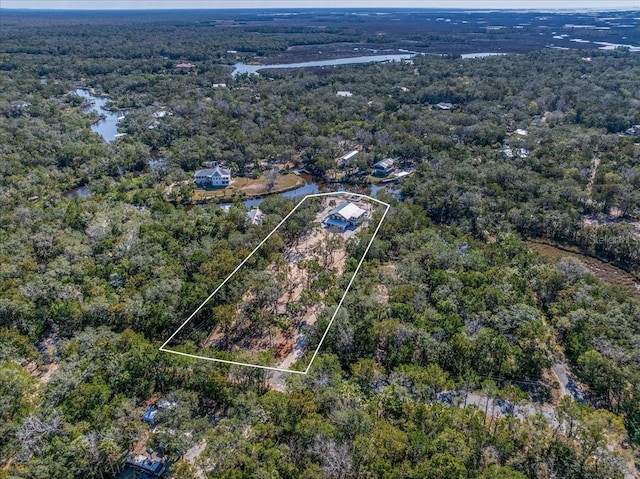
pixel 182 4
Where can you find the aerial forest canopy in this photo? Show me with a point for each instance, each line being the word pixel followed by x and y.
pixel 449 354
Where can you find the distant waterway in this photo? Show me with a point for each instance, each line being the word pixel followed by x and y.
pixel 108 126
pixel 240 68
pixel 313 187
pixel 482 55
pixel 244 68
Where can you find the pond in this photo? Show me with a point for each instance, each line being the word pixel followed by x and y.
pixel 244 68
pixel 108 126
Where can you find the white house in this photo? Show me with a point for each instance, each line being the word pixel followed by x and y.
pixel 345 215
pixel 344 93
pixel 345 158
pixel 444 106
pixel 213 177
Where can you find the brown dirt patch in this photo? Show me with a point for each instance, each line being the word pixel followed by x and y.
pixel 291 314
pixel 42 372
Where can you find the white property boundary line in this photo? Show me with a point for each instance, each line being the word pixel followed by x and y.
pixel 271 368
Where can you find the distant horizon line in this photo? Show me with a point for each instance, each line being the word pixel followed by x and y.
pixel 374 9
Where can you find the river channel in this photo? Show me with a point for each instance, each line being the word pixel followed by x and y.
pixel 313 187
pixel 250 69
pixel 107 127
pixel 240 68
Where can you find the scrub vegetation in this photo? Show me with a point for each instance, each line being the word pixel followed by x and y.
pixel 448 357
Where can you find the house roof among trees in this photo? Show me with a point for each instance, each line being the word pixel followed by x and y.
pixel 384 164
pixel 347 211
pixel 217 171
pixel 256 216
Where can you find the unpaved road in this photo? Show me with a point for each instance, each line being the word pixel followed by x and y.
pixel 568 385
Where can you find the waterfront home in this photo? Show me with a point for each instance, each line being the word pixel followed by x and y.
pixel 213 177
pixel 383 167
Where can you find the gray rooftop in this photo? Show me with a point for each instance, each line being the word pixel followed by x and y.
pixel 386 163
pixel 348 211
pixel 217 171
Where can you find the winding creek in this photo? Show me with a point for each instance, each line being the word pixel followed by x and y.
pixel 107 126
pixel 312 187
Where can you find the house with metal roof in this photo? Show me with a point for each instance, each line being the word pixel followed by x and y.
pixel 444 106
pixel 213 177
pixel 256 216
pixel 384 167
pixel 344 216
pixel 142 467
pixel 344 159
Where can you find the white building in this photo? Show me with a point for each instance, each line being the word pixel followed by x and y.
pixel 345 158
pixel 345 215
pixel 256 216
pixel 213 177
pixel 344 93
pixel 444 106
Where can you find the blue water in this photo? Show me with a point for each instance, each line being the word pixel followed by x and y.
pixel 481 55
pixel 313 187
pixel 107 128
pixel 244 68
pixel 308 189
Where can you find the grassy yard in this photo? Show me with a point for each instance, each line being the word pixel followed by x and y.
pixel 248 188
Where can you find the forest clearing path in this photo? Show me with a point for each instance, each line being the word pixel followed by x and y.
pixel 192 454
pixel 567 382
pixel 595 163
